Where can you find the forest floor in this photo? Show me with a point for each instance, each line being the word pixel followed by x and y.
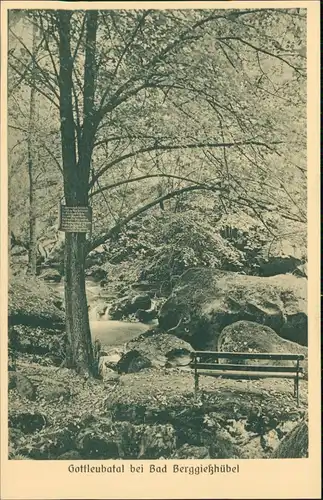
pixel 253 415
pixel 148 386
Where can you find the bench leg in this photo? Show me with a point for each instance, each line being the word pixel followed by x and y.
pixel 196 384
pixel 296 389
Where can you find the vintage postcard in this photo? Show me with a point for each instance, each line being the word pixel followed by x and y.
pixel 160 257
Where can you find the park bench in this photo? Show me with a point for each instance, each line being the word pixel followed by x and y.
pixel 213 363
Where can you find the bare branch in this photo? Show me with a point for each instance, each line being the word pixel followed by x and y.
pixel 23 76
pixel 142 177
pixel 164 147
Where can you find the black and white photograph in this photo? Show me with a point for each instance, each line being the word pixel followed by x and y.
pixel 157 235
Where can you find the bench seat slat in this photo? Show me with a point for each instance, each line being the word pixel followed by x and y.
pixel 246 355
pixel 251 368
pixel 249 375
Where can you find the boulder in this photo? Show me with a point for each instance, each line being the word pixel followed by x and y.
pixel 98 312
pixel 133 361
pixel 280 257
pixel 295 443
pixel 107 374
pixel 245 336
pixel 96 257
pixel 93 443
pixel 32 302
pixel 156 350
pixel 270 441
pixel 50 275
pixel 206 300
pixel 96 272
pixel 127 306
pixel 38 341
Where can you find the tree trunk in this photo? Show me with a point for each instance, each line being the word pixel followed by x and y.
pixel 79 354
pixel 32 252
pixel 79 351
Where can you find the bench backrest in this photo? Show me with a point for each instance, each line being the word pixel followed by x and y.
pixel 209 360
pixel 245 355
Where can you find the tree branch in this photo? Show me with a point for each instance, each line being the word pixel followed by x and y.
pixel 259 49
pixel 115 229
pixel 164 147
pixel 142 177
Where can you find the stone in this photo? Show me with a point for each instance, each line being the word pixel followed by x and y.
pixel 157 441
pixel 126 306
pixel 155 349
pixel 110 359
pixel 70 455
pixel 146 316
pixel 108 375
pixel 55 391
pixel 301 271
pixel 207 300
pixel 133 361
pixel 270 440
pixel 27 422
pixel 295 443
pixel 141 302
pixel 96 272
pixel 178 357
pixel 50 275
pixel 25 387
pixel 93 443
pixel 188 451
pixel 48 444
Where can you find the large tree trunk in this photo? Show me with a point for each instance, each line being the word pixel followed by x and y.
pixel 79 352
pixel 32 252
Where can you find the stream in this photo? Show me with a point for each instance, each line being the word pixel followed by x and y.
pixel 109 332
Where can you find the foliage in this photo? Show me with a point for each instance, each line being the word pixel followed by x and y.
pixel 164 80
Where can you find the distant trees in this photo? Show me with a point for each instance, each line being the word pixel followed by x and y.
pixel 207 100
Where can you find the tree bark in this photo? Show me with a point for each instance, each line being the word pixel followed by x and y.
pixel 79 353
pixel 32 251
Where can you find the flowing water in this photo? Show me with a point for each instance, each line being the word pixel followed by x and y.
pixel 109 332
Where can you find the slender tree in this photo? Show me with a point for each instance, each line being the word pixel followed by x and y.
pixel 32 250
